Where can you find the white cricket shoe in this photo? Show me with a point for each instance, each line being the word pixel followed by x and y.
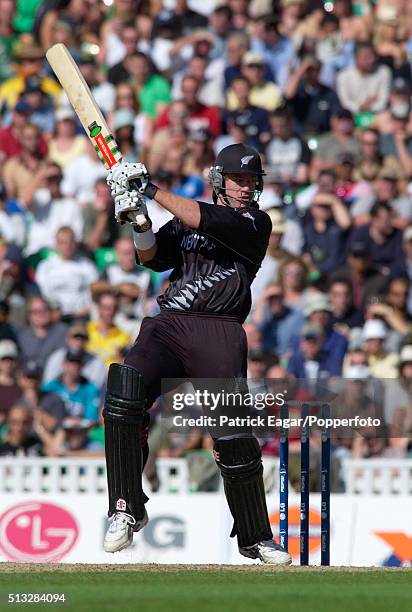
pixel 268 552
pixel 121 529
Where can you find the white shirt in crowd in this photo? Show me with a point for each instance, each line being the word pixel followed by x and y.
pixel 66 282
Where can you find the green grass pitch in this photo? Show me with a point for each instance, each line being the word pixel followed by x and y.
pixel 210 588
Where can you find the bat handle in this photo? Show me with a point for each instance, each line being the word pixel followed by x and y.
pixel 143 222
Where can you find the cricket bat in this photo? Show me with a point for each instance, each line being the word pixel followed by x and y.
pixel 85 107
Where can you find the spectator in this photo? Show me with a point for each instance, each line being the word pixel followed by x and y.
pixel 313 104
pixel 105 339
pixel 199 116
pixel 29 59
pixel 186 186
pixel 9 388
pixel 66 145
pixel 253 336
pixel 20 439
pixel 129 38
pixel 276 49
pixel 99 225
pixel 7 331
pixel 11 138
pixel 397 406
pixel 407 255
pixel 309 361
pixel 236 47
pixel 162 139
pixel 286 151
pixel 24 172
pixel 339 140
pixel 123 124
pixel 42 336
pixel 255 119
pixel 49 210
pixel 73 439
pixel 398 143
pixel 81 397
pixel 344 314
pixel 152 90
pixel 365 86
pixel 126 100
pixel 381 364
pixel 366 281
pixel 93 368
pixel 48 409
pixel 80 176
pixel 64 277
pixel 263 93
pixel 293 275
pixel 277 322
pixel 382 240
pixel 325 231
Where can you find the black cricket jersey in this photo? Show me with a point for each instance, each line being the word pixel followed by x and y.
pixel 213 266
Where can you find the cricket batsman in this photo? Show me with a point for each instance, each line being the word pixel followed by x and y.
pixel 215 251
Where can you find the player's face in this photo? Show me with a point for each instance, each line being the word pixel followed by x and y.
pixel 240 189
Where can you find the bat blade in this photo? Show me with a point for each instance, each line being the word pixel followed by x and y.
pixel 83 103
pixel 85 107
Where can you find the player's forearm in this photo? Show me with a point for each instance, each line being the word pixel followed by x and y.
pixel 188 211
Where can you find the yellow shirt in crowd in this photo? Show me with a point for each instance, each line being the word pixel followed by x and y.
pixel 106 346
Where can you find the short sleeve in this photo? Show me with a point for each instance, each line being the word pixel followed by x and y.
pixel 245 232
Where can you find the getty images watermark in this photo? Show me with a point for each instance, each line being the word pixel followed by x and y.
pixel 212 401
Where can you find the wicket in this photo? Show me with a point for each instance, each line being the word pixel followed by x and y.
pixel 305 485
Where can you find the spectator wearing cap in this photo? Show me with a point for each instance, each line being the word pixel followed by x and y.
pixel 382 240
pixel 340 139
pixel 198 115
pixel 29 59
pixel 277 322
pixel 9 388
pixel 318 310
pixel 12 281
pixel 359 272
pixel 41 107
pixel 21 440
pixel 80 397
pixel 277 50
pixel 49 210
pixel 255 119
pixel 123 124
pixel 275 254
pixel 325 230
pixel 309 361
pixel 93 369
pixel 64 278
pixel 344 314
pixel 73 439
pixel 356 401
pixel 287 152
pixel 263 93
pixel 41 337
pixel 11 135
pixel 313 104
pixel 365 86
pixel 48 409
pixel 22 172
pixel 381 364
pixel 105 339
pixel 257 364
pixel 66 144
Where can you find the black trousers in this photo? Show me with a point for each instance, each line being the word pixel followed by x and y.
pixel 188 345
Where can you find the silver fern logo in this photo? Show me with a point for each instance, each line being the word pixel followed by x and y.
pixel 246 159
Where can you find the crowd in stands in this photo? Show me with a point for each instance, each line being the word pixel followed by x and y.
pixel 321 88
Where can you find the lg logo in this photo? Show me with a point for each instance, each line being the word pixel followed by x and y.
pixel 165 531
